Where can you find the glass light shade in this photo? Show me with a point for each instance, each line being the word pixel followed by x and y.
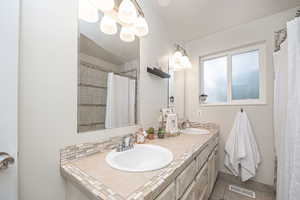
pixel 164 3
pixel 189 64
pixel 104 5
pixel 141 27
pixel 108 25
pixel 127 34
pixel 177 67
pixel 127 12
pixel 185 62
pixel 87 11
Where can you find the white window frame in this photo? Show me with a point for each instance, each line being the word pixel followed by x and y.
pixel 261 47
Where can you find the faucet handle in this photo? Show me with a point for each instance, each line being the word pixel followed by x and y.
pixel 119 147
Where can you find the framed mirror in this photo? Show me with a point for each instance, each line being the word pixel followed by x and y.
pixel 108 78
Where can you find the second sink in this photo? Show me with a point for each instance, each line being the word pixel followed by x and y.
pixel 195 131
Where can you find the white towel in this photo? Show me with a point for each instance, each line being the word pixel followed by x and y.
pixel 241 152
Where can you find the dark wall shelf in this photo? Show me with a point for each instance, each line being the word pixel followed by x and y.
pixel 158 72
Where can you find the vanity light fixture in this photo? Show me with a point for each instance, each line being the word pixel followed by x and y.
pixel 180 60
pixel 88 12
pixel 127 34
pixel 127 13
pixel 108 25
pixel 104 5
pixel 141 27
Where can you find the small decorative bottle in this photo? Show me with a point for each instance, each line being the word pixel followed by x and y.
pixel 140 136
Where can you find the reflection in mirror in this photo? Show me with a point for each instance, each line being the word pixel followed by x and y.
pixel 107 79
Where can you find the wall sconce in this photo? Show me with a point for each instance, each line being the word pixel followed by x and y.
pixel 180 59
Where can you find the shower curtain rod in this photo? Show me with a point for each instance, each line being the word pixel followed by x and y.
pixel 97 67
pixel 281 35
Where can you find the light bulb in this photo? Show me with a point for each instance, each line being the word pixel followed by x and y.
pixel 177 57
pixel 127 34
pixel 108 25
pixel 104 5
pixel 141 27
pixel 87 12
pixel 127 12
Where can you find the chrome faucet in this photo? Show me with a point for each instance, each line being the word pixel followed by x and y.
pixel 185 124
pixel 126 144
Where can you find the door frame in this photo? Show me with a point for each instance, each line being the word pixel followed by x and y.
pixel 9 68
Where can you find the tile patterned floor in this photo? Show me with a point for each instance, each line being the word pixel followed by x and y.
pixel 221 191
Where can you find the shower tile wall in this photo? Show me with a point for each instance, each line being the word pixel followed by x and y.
pixel 92 98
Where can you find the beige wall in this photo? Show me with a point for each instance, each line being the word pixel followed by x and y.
pixel 260 115
pixel 48 92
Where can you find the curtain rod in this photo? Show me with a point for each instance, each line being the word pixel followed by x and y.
pixel 281 35
pixel 97 67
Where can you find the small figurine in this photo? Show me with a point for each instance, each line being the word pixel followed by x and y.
pixel 140 136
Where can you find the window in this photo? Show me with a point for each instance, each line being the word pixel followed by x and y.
pixel 234 77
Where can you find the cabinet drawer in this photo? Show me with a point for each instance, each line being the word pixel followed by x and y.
pixel 202 158
pixel 189 194
pixel 168 193
pixel 185 179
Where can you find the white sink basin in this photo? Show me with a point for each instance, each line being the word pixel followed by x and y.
pixel 195 131
pixel 143 157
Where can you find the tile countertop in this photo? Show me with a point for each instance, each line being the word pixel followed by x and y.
pixel 90 172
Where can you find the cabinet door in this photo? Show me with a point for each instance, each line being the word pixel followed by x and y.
pixel 216 164
pixel 202 158
pixel 185 179
pixel 204 195
pixel 168 193
pixel 189 193
pixel 211 172
pixel 201 183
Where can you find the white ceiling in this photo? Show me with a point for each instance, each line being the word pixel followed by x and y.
pixel 190 19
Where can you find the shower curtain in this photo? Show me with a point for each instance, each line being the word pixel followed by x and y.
pixel 280 106
pixel 287 104
pixel 120 104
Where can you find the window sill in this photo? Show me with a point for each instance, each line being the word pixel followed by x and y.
pixel 257 103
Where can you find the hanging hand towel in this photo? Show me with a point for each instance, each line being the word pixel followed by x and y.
pixel 241 152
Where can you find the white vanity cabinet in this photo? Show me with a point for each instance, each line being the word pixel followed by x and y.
pixel 190 192
pixel 192 179
pixel 184 179
pixel 169 193
pixel 202 183
pixel 197 179
pixel 212 170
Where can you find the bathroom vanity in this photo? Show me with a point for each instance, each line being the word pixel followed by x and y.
pixel 190 176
